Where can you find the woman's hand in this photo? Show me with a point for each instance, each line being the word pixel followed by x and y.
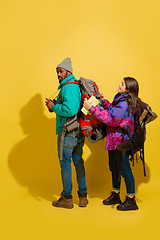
pixel 87 104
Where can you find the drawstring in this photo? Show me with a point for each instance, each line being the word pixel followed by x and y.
pixel 61 143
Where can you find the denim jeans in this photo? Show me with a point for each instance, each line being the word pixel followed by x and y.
pixel 72 149
pixel 115 164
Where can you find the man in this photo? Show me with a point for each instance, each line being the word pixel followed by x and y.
pixel 67 105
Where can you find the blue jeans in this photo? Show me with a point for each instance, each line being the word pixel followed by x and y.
pixel 72 149
pixel 115 164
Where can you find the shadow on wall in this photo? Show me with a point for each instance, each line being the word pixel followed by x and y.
pixel 34 162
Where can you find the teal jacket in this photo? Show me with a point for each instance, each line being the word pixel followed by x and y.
pixel 68 102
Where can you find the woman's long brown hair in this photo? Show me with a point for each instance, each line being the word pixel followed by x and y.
pixel 132 88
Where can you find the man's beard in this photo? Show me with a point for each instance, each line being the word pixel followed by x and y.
pixel 61 79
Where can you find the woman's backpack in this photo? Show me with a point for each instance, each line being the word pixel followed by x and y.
pixel 135 144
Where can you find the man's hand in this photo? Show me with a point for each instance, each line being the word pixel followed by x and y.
pixel 49 104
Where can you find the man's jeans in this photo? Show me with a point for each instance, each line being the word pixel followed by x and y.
pixel 72 148
pixel 115 164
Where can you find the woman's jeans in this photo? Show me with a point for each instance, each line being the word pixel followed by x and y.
pixel 72 149
pixel 115 164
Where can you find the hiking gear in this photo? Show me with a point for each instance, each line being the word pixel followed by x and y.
pixel 92 128
pixel 115 116
pixel 68 102
pixel 136 143
pixel 114 198
pixel 115 165
pixel 128 204
pixel 64 202
pixel 83 201
pixel 72 123
pixel 66 64
pixel 72 149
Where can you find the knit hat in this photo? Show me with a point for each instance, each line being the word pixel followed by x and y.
pixel 66 64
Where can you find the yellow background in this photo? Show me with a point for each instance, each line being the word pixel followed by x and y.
pixel 106 40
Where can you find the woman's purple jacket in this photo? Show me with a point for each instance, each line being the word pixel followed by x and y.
pixel 115 116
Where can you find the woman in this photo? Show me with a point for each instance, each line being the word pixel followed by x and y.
pixel 117 116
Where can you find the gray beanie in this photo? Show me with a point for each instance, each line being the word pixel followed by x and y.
pixel 66 64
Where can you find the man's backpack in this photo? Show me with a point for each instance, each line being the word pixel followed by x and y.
pixel 136 143
pixel 92 128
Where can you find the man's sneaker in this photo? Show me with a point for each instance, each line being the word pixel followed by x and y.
pixel 83 201
pixel 64 202
pixel 128 204
pixel 114 198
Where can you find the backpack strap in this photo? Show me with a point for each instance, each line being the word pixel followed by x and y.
pixel 142 154
pixel 128 109
pixel 97 91
pixel 143 115
pixel 76 82
pixel 123 157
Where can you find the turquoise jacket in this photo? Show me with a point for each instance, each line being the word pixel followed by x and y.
pixel 68 102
